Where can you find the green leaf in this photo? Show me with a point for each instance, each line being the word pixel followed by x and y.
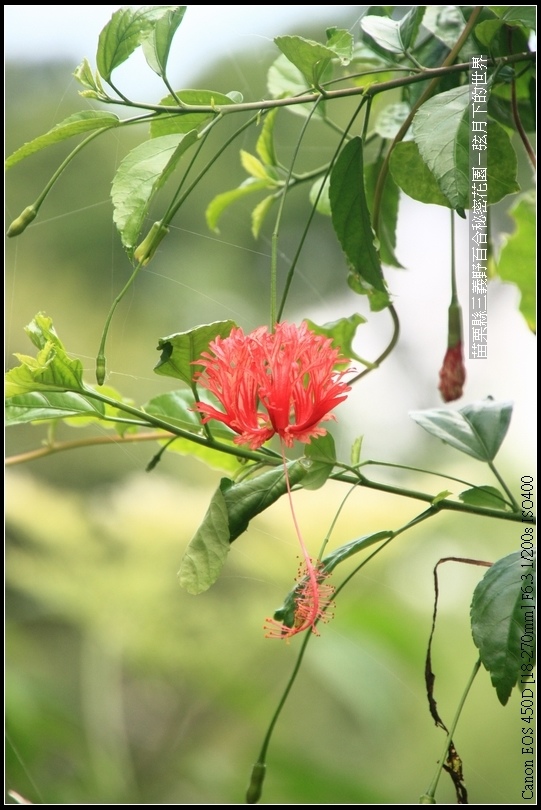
pixel 441 130
pixel 181 350
pixel 484 496
pixel 488 496
pixel 410 172
pixel 377 300
pixel 445 22
pixel 123 34
pixel 320 458
pixel 341 332
pixel 391 119
pixel 356 451
pixel 477 430
pixel 260 212
pixel 498 612
pixel 114 416
pixel 181 123
pixel 502 164
pixel 286 613
pixel 350 216
pixel 157 43
pixel 141 174
pixel 209 456
pixel 254 167
pixel 408 27
pixel 388 219
pixel 330 561
pixel 251 497
pixel 218 205
pixel 178 409
pixel 228 516
pixel 340 42
pixel 486 31
pixel 500 105
pixel 84 74
pixel 516 263
pixel 51 370
pixel 311 58
pixel 38 406
pixel 441 496
pixel 524 15
pixel 392 35
pixel 75 124
pixel 323 204
pixel 284 79
pixel 384 32
pixel 208 549
pixel 265 142
pixel 412 175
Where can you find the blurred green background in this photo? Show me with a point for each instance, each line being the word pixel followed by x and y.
pixel 120 687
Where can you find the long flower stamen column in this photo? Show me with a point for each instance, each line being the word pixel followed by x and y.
pixel 312 595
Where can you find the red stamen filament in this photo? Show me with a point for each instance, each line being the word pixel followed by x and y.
pixel 312 597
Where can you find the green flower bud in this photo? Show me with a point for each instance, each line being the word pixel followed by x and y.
pixel 255 788
pixel 23 221
pixel 100 369
pixel 145 251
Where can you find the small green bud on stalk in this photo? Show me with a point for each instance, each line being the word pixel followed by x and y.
pixel 145 251
pixel 100 369
pixel 23 221
pixel 255 788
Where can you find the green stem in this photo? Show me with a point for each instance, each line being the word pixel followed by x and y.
pixel 171 212
pixel 276 231
pixel 454 298
pixel 310 98
pixel 270 458
pixel 258 771
pixel 428 513
pixel 428 797
pixel 426 472
pixel 379 360
pixel 334 521
pixel 154 421
pixel 504 486
pixel 291 272
pixel 515 111
pixel 101 365
pixel 378 194
pixel 445 505
pixel 30 213
pixel 256 785
pixel 59 447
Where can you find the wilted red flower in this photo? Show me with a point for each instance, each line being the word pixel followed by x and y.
pixel 452 374
pixel 282 382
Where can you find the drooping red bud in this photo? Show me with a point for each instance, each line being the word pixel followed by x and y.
pixel 453 372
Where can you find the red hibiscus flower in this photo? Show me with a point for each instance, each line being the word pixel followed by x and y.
pixel 282 382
